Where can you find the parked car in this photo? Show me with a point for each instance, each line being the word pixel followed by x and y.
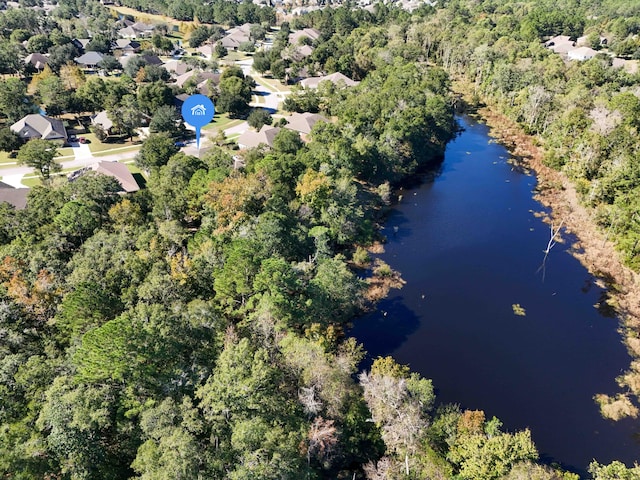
pixel 180 144
pixel 83 140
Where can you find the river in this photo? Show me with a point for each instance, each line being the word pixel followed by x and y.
pixel 470 247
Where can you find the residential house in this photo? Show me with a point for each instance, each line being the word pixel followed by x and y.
pixel 37 60
pixel 581 53
pixel 207 50
pixel 136 30
pixel 297 53
pixel 310 33
pixel 177 67
pixel 178 100
pixel 303 122
pixel 152 59
pixel 80 43
pixel 265 136
pixel 560 44
pixel 36 125
pixel 336 78
pixel 126 46
pixel 117 170
pixel 236 36
pixel 102 119
pixel 232 42
pixel 89 59
pixel 201 80
pixel 14 196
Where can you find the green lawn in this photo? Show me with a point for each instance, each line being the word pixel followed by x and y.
pixel 272 84
pixel 65 152
pixel 234 57
pixel 222 122
pixel 104 153
pixel 97 147
pixel 4 158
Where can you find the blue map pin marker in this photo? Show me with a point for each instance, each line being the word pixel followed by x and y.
pixel 197 111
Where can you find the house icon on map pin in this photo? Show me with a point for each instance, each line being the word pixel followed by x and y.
pixel 198 110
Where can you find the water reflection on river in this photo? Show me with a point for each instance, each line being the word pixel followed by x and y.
pixel 470 247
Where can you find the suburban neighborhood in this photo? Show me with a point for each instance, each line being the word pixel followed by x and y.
pixel 170 72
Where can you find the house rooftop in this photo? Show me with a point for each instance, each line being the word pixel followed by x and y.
pixel 303 122
pixel 14 196
pixel 36 125
pixel 102 119
pixel 117 170
pixel 90 58
pixel 265 136
pixel 336 78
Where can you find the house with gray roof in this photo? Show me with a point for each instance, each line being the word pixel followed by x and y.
pixel 14 196
pixel 126 46
pixel 89 59
pixel 36 125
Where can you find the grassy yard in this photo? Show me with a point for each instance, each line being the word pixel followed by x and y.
pixel 272 84
pixel 222 122
pixel 113 151
pixel 96 146
pixel 4 159
pixel 234 57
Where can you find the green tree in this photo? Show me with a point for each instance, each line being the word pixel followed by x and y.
pixel 14 103
pixel 234 97
pixel 39 44
pixel 261 62
pixel 86 307
pixel 126 116
pixel 198 36
pixel 172 447
pixel 154 95
pixel 76 220
pixel 156 151
pixel 614 471
pixel 259 117
pixel 9 140
pixel 40 155
pixel 167 119
pixel 109 63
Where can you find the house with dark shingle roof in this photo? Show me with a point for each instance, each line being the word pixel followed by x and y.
pixel 36 125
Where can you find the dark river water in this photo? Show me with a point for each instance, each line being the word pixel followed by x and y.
pixel 469 247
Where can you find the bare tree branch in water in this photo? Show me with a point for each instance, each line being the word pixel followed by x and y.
pixel 552 243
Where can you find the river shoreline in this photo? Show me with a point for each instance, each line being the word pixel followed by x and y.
pixel 592 247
